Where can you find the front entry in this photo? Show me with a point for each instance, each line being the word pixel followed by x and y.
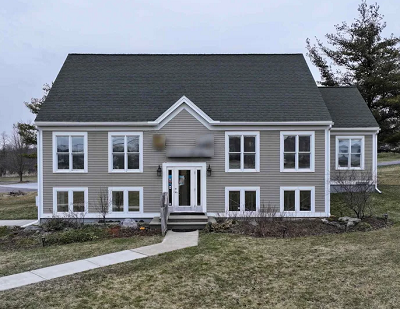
pixel 186 186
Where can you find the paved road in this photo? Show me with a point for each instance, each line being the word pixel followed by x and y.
pixel 24 187
pixel 389 163
pixel 15 222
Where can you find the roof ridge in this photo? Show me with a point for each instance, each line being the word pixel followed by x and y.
pixel 217 54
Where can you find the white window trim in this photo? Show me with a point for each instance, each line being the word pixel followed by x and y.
pixel 70 199
pixel 256 134
pixel 110 153
pixel 85 149
pixel 126 200
pixel 312 151
pixel 242 199
pixel 362 138
pixel 297 200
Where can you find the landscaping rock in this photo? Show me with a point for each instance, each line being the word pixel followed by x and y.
pixel 334 223
pixel 349 219
pixel 131 223
pixel 253 223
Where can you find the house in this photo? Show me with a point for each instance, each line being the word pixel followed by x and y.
pixel 222 134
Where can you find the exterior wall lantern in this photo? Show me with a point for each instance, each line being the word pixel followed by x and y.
pixel 159 171
pixel 209 170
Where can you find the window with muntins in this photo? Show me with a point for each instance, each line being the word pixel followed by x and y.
pixel 70 200
pixel 297 151
pixel 242 199
pixel 126 152
pixel 126 199
pixel 70 152
pixel 297 199
pixel 242 151
pixel 349 152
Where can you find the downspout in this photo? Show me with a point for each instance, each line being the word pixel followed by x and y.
pixel 375 154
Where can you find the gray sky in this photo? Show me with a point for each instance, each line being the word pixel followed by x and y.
pixel 36 36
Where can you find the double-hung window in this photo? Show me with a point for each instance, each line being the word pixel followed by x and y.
pixel 297 151
pixel 297 200
pixel 242 151
pixel 349 152
pixel 125 200
pixel 70 154
pixel 125 152
pixel 242 199
pixel 66 200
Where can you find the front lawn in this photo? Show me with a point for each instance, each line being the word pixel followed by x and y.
pixel 353 270
pixel 18 207
pixel 27 255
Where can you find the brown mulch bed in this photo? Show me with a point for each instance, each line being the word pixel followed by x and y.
pixel 289 228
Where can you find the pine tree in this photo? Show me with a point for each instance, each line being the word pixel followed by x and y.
pixel 357 54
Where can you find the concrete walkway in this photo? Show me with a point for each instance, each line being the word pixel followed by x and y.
pixel 172 241
pixel 389 163
pixel 16 222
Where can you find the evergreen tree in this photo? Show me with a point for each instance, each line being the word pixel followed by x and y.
pixel 357 54
pixel 27 131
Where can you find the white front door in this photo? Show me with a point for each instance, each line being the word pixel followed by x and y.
pixel 185 184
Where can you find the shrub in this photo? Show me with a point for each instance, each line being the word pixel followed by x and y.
pixel 363 227
pixel 75 235
pixel 59 224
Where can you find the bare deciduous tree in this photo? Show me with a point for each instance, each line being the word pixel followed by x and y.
pixel 103 203
pixel 3 154
pixel 17 156
pixel 356 188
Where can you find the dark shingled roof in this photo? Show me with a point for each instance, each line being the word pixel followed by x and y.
pixel 347 107
pixel 245 87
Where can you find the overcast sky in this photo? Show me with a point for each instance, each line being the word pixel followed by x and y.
pixel 36 36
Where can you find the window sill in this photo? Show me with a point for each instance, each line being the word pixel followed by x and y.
pixel 297 171
pixel 124 171
pixel 243 171
pixel 69 171
pixel 349 168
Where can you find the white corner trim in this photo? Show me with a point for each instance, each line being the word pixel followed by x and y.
pixel 327 172
pixel 85 149
pixel 70 191
pixel 125 191
pixel 242 199
pixel 110 156
pixel 256 134
pixel 40 171
pixel 337 138
pixel 312 153
pixel 297 212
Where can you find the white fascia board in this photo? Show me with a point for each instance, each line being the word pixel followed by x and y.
pixel 372 129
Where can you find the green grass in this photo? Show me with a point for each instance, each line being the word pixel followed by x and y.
pixel 25 259
pixel 354 270
pixel 15 179
pixel 388 156
pixel 18 207
pixel 350 270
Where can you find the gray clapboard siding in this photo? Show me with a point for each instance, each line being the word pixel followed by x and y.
pixel 182 130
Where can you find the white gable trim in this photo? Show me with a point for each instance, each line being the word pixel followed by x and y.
pixel 174 107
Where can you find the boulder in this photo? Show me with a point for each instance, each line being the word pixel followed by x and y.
pixel 349 219
pixel 131 223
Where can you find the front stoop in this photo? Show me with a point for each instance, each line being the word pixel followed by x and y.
pixel 184 221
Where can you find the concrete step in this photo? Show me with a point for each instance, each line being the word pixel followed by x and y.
pixel 192 218
pixel 183 224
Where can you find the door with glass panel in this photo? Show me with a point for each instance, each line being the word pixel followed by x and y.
pixel 185 189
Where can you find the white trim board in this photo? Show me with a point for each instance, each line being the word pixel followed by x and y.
pixel 85 149
pixel 110 152
pixel 312 151
pixel 360 137
pixel 255 134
